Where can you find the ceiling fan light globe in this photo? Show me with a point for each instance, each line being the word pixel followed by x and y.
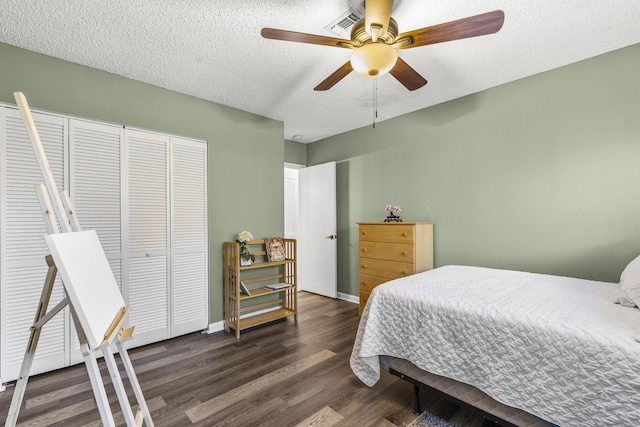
pixel 374 59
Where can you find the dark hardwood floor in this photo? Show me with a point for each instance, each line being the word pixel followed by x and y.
pixel 281 374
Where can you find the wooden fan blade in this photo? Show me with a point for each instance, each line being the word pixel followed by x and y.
pixel 292 36
pixel 472 26
pixel 377 14
pixel 334 78
pixel 407 75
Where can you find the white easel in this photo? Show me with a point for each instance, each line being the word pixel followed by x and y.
pixel 115 334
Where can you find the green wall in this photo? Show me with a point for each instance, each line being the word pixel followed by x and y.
pixel 538 174
pixel 295 152
pixel 246 152
pixel 541 174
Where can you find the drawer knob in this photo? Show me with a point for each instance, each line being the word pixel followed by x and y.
pixel 404 273
pixel 364 250
pixel 404 234
pixel 364 265
pixel 404 254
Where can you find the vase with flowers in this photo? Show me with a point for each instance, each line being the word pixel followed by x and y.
pixel 392 217
pixel 246 257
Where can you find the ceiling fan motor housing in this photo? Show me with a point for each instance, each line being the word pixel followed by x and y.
pixel 360 37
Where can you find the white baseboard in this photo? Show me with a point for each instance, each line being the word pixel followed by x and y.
pixel 219 326
pixel 214 327
pixel 350 298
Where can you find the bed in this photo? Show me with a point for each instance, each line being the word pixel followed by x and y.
pixel 528 349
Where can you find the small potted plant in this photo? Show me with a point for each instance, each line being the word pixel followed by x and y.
pixel 392 217
pixel 246 258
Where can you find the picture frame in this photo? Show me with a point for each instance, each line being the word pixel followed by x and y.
pixel 274 247
pixel 244 289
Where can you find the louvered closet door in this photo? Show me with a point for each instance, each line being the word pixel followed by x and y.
pixel 145 284
pixel 189 290
pixel 95 190
pixel 22 246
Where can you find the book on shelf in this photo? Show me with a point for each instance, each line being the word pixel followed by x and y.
pixel 274 247
pixel 244 289
pixel 278 286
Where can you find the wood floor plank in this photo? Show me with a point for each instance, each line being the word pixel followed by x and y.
pixel 154 405
pixel 45 399
pixel 265 410
pixel 283 374
pixel 326 417
pixel 59 415
pixel 256 386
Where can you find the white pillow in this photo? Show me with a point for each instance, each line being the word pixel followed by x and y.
pixel 630 284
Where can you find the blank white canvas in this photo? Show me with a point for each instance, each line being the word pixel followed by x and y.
pixel 88 281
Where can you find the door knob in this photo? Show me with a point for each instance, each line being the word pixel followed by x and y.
pixel 331 237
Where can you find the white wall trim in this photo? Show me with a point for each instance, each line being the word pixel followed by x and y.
pixel 349 298
pixel 219 326
pixel 294 165
pixel 214 327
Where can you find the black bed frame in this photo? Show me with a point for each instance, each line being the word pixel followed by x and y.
pixel 416 400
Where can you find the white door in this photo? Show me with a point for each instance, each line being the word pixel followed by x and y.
pixel 22 249
pixel 95 190
pixel 189 267
pixel 317 247
pixel 145 269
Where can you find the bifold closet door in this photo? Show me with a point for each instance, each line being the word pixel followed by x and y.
pixel 22 247
pixel 95 190
pixel 145 272
pixel 144 193
pixel 189 260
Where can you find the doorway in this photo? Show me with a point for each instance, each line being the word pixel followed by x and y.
pixel 310 217
pixel 291 200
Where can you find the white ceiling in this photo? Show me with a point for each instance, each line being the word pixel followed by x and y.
pixel 212 49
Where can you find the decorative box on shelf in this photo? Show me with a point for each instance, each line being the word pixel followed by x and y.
pixel 258 304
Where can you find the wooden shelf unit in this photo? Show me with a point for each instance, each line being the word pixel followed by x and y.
pixel 271 305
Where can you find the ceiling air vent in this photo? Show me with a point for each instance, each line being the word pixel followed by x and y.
pixel 342 25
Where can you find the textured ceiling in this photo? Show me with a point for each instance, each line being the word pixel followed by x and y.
pixel 212 49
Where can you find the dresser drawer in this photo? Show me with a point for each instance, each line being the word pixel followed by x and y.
pixel 364 297
pixel 390 233
pixel 367 283
pixel 387 269
pixel 389 251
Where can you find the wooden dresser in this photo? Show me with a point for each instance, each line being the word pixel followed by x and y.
pixel 389 250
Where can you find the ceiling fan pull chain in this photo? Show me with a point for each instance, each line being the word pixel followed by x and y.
pixel 375 100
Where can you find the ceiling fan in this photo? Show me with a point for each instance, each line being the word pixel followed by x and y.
pixel 375 42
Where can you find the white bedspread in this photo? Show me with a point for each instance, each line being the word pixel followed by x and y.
pixel 556 347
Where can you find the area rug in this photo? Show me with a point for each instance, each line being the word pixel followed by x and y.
pixel 429 420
